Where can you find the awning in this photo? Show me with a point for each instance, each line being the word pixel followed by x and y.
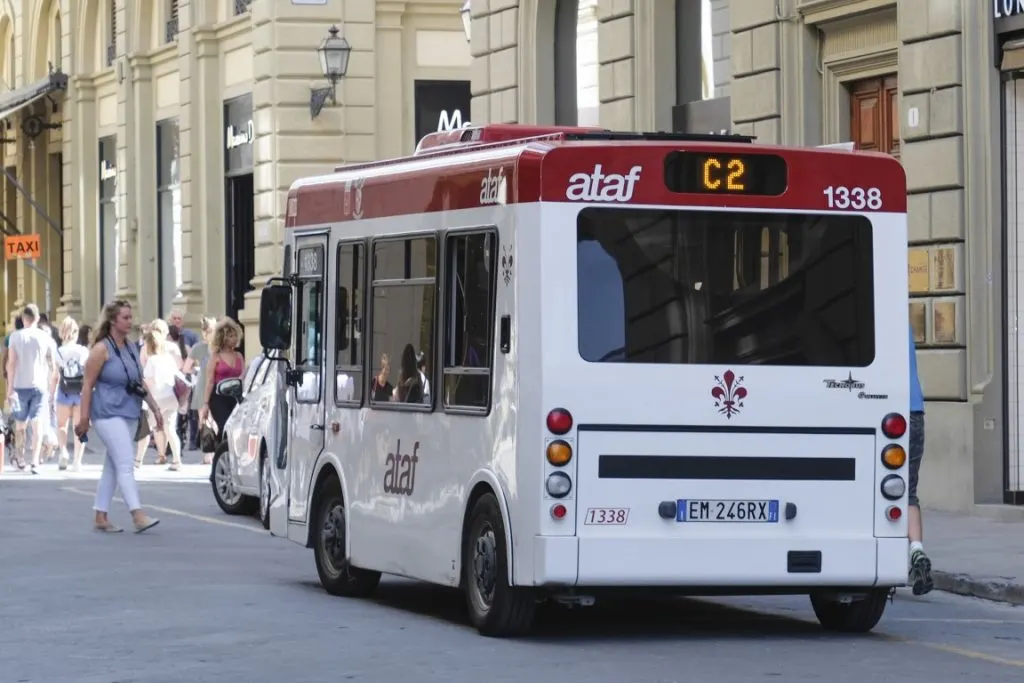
pixel 15 100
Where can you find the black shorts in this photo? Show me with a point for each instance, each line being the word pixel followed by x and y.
pixel 916 453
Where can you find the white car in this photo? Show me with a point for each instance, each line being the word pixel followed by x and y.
pixel 242 475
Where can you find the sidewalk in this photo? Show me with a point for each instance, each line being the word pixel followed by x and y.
pixel 980 555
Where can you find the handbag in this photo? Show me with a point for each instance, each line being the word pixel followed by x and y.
pixel 181 388
pixel 208 436
pixel 142 431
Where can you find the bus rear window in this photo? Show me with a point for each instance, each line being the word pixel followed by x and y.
pixel 724 287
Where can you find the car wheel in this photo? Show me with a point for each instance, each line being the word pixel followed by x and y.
pixel 495 608
pixel 224 491
pixel 337 575
pixel 858 616
pixel 265 492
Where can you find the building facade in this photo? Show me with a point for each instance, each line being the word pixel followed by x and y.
pixel 150 145
pixel 934 82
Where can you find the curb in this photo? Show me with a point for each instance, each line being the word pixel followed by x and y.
pixel 998 589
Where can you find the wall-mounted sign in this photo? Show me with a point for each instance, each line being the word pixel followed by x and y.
pixel 1007 8
pixel 239 135
pixel 441 106
pixel 108 170
pixel 22 247
pixel 235 137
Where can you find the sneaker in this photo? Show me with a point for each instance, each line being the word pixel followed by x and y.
pixel 62 464
pixel 920 578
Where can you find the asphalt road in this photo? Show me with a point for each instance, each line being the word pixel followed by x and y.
pixel 205 597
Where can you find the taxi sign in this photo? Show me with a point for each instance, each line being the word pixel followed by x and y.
pixel 22 247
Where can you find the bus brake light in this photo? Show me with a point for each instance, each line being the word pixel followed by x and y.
pixel 559 421
pixel 894 425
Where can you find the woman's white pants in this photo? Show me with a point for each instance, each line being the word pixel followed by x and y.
pixel 118 435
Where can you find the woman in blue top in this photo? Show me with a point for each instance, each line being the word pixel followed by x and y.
pixel 112 395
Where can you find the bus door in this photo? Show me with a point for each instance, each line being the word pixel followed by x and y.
pixel 306 423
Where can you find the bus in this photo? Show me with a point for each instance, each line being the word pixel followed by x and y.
pixel 542 363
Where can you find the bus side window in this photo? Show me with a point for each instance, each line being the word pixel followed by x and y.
pixel 348 363
pixel 469 320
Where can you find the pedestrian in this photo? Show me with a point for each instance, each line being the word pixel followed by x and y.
pixel 85 335
pixel 160 368
pixel 195 367
pixel 225 363
pixel 176 318
pixel 112 396
pixel 72 357
pixel 32 373
pixel 920 579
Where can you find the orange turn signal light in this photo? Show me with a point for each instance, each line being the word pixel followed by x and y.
pixel 559 453
pixel 893 456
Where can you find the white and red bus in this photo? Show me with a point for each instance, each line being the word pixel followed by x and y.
pixel 541 362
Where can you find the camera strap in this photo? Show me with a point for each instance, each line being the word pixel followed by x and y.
pixel 138 367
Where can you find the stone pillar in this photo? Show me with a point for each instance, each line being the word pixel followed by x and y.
pixel 756 90
pixel 82 161
pixel 505 67
pixel 127 180
pixel 389 44
pixel 721 46
pixel 616 39
pixel 142 204
pixel 289 145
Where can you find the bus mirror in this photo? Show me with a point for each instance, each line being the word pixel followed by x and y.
pixel 276 317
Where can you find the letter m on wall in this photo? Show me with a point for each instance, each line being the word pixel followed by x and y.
pixel 453 122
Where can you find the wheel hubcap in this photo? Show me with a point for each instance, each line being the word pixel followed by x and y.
pixel 333 539
pixel 225 487
pixel 485 565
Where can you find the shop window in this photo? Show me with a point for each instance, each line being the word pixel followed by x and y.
pixel 108 220
pixel 56 43
pixel 468 321
pixel 402 320
pixel 348 364
pixel 112 41
pixel 169 244
pixel 875 115
pixel 171 28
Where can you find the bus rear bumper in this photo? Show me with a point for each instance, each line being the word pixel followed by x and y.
pixel 719 563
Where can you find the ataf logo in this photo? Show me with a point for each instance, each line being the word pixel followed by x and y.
pixel 493 188
pixel 400 470
pixel 598 186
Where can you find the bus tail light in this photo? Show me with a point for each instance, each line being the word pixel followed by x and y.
pixel 893 513
pixel 559 421
pixel 894 425
pixel 893 456
pixel 893 487
pixel 559 485
pixel 559 453
pixel 558 511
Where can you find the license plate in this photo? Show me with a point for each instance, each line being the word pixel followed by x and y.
pixel 763 511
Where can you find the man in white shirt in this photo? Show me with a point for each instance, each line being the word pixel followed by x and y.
pixel 32 378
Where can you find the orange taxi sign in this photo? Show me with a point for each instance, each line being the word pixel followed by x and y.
pixel 22 247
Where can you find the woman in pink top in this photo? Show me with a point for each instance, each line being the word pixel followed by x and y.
pixel 225 362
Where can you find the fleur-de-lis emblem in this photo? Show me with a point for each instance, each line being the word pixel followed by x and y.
pixel 506 264
pixel 729 393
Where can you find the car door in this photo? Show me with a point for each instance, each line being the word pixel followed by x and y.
pixel 254 428
pixel 307 420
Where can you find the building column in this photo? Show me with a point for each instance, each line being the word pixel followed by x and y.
pixel 756 95
pixel 81 193
pixel 289 145
pixel 388 53
pixel 143 203
pixel 201 127
pixel 721 45
pixel 127 181
pixel 505 73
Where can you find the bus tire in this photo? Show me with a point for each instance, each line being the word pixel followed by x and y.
pixel 495 608
pixel 859 616
pixel 337 575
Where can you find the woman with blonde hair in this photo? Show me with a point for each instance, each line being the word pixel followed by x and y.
pixel 160 367
pixel 195 365
pixel 225 363
pixel 72 358
pixel 112 396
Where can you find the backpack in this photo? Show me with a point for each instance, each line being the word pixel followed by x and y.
pixel 72 378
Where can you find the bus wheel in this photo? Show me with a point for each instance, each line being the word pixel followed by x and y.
pixel 859 616
pixel 337 575
pixel 495 608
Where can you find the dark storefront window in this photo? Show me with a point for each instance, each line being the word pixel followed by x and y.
pixel 441 105
pixel 108 220
pixel 168 192
pixel 239 233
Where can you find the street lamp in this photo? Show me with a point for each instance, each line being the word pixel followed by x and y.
pixel 466 20
pixel 334 52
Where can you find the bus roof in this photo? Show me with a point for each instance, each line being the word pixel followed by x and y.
pixel 513 164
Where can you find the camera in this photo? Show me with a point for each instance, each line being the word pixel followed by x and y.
pixel 136 389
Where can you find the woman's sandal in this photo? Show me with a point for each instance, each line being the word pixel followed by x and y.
pixel 148 524
pixel 108 528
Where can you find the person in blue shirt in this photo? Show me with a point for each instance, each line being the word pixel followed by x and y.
pixel 920 578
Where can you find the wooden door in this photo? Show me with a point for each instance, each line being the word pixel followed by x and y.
pixel 875 115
